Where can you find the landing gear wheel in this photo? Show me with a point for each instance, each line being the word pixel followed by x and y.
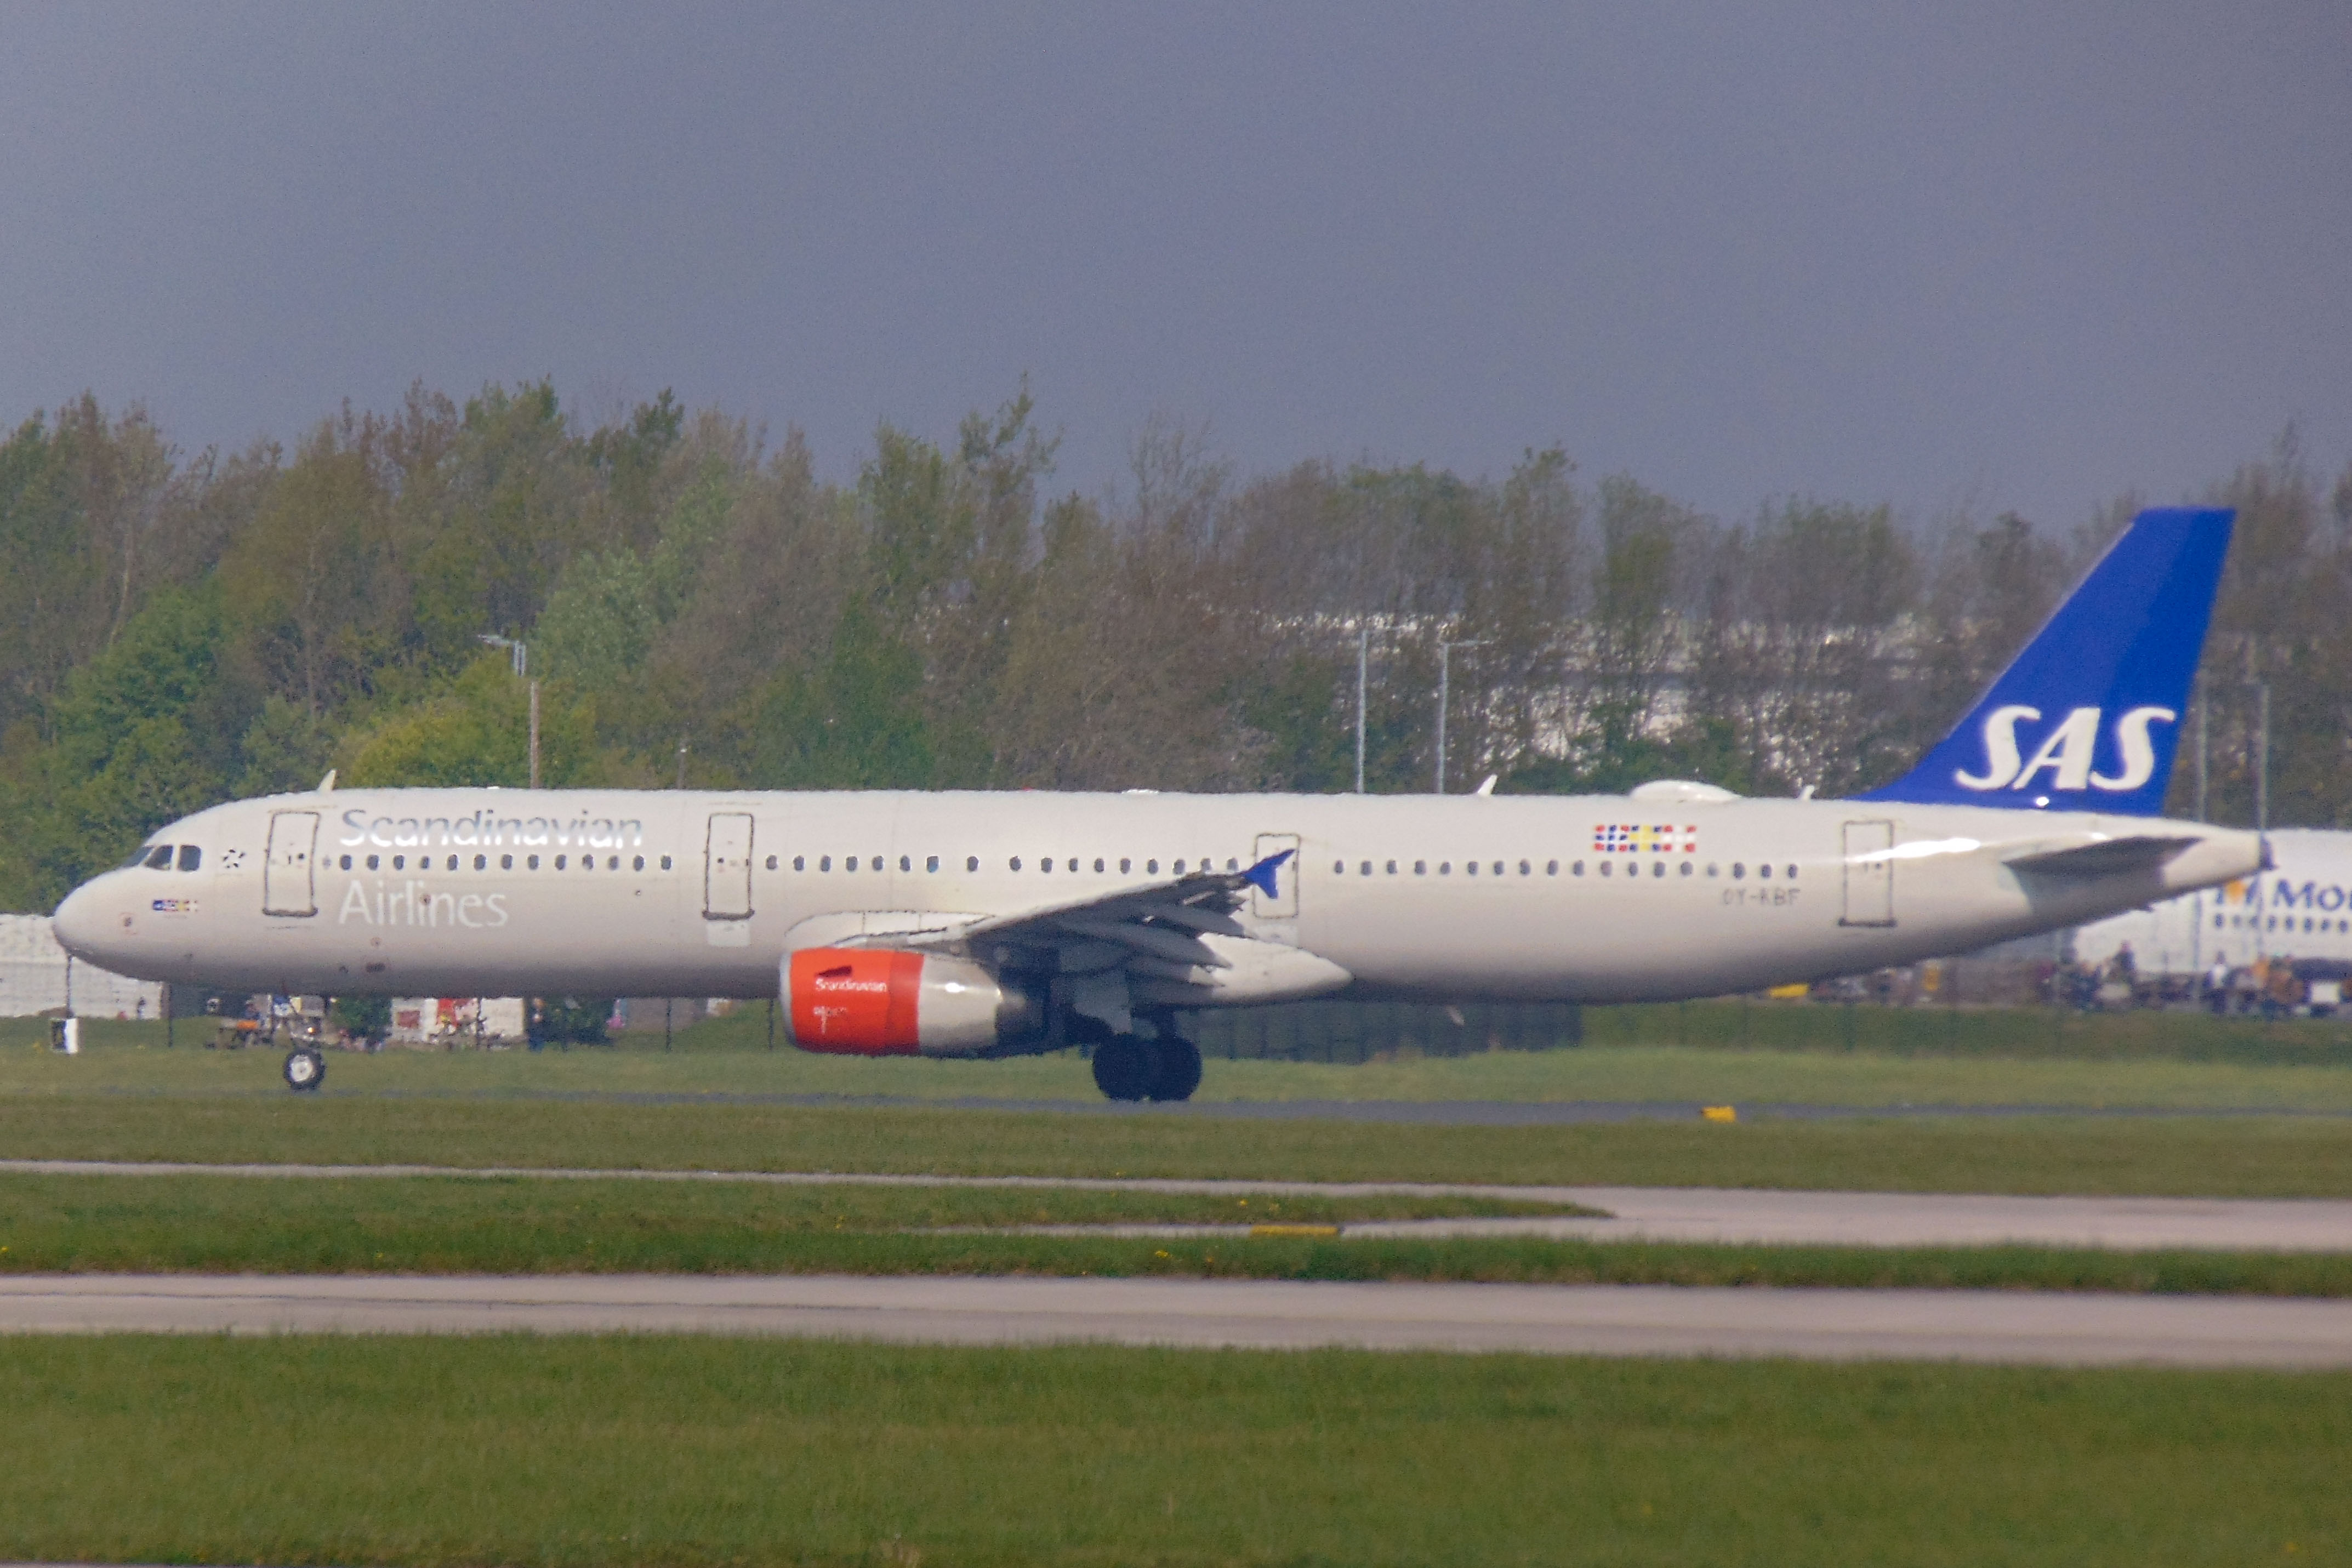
pixel 1126 1067
pixel 1180 1068
pixel 305 1068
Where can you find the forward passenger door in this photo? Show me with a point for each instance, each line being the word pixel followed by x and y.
pixel 727 867
pixel 288 886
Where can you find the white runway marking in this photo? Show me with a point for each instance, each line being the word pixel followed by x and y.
pixel 1701 1215
pixel 1837 1325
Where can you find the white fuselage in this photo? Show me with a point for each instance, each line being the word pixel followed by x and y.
pixel 617 893
pixel 2300 908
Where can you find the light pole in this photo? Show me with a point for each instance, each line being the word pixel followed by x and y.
pixel 2262 756
pixel 1446 648
pixel 521 653
pixel 1363 663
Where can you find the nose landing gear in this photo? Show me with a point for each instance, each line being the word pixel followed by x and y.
pixel 305 1068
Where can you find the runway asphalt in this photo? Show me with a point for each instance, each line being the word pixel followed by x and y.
pixel 1425 1113
pixel 1706 1215
pixel 2016 1327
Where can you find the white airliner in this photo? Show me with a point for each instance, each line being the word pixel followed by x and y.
pixel 2301 907
pixel 996 924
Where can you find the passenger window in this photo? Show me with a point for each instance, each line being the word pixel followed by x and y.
pixel 971 863
pixel 346 862
pixel 1421 868
pixel 1607 869
pixel 1713 869
pixel 1393 868
pixel 612 863
pixel 665 862
pixel 1470 866
pixel 1046 864
pixel 824 863
pixel 772 862
pixel 1098 864
pixel 1339 868
pixel 1444 867
pixel 191 857
pixel 1151 868
pixel 1367 869
pixel 906 864
pixel 371 863
pixel 1576 869
pixel 559 862
pixel 1014 862
pixel 1232 865
pixel 453 862
pixel 1738 871
pixel 1688 868
pixel 482 862
pixel 1765 872
pixel 400 862
pixel 1179 868
pixel 1499 868
pixel 930 862
pixel 532 863
pixel 800 863
pixel 1657 868
pixel 1526 870
pixel 637 862
pixel 1551 868
pixel 1125 865
pixel 1793 874
pixel 849 863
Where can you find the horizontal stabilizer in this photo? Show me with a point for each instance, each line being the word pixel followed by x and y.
pixel 2107 857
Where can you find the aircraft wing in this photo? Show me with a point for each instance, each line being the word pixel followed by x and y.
pixel 1175 942
pixel 1174 913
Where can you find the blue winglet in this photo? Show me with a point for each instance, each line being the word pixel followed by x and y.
pixel 1261 875
pixel 2088 716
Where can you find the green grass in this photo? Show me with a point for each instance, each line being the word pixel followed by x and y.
pixel 2236 1070
pixel 2207 1157
pixel 438 1225
pixel 689 1451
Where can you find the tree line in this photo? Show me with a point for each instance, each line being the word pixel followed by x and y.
pixel 700 607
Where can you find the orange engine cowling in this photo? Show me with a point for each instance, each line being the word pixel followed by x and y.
pixel 874 1001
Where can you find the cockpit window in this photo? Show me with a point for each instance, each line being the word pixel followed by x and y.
pixel 159 858
pixel 191 857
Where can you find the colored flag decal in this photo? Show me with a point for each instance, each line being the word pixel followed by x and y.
pixel 1633 837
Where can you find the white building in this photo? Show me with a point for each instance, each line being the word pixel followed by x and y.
pixel 37 975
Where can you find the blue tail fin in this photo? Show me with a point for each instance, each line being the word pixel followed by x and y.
pixel 2088 716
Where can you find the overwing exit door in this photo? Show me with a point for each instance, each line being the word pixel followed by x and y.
pixel 1284 904
pixel 1869 875
pixel 727 867
pixel 286 885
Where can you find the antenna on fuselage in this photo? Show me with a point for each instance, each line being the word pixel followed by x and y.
pixel 327 785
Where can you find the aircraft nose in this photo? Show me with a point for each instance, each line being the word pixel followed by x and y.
pixel 80 923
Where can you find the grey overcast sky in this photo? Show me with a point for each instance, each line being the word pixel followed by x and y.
pixel 1978 255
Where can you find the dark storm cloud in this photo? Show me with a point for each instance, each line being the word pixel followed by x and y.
pixel 2013 257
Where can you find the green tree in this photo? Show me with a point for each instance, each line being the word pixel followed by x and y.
pixel 476 732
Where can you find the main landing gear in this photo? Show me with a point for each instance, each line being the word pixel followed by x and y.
pixel 305 1068
pixel 1134 1066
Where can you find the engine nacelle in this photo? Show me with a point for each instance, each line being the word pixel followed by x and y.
pixel 874 1001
